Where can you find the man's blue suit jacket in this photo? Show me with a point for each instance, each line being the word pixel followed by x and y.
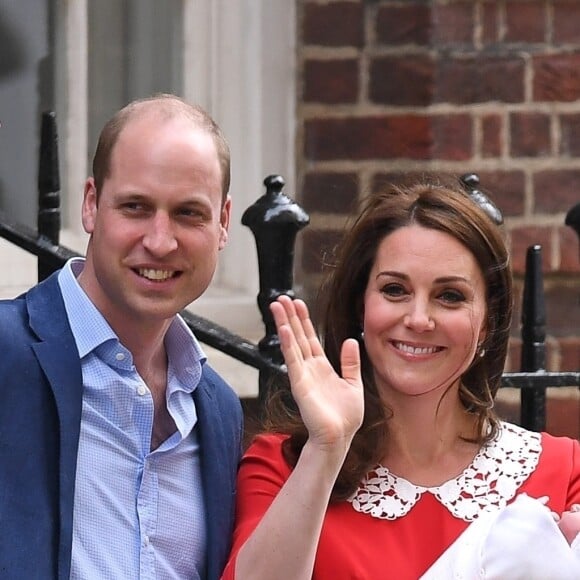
pixel 40 412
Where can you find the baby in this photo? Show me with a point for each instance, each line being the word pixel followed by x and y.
pixel 523 540
pixel 569 524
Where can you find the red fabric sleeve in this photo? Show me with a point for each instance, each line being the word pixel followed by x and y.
pixel 574 489
pixel 263 472
pixel 558 473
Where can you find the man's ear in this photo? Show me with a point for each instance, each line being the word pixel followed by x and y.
pixel 225 216
pixel 89 208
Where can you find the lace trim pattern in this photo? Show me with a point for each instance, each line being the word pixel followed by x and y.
pixel 488 483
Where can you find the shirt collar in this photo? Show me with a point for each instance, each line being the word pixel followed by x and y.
pixel 88 325
pixel 90 329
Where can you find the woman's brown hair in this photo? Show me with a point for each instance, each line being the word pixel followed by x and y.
pixel 446 208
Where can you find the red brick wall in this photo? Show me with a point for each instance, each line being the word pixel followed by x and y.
pixel 389 87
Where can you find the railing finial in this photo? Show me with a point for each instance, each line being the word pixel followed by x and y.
pixel 470 182
pixel 274 220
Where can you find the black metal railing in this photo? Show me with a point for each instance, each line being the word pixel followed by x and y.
pixel 533 380
pixel 275 220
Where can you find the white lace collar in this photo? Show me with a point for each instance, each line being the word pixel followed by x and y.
pixel 492 479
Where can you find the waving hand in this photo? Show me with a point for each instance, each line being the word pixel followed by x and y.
pixel 331 405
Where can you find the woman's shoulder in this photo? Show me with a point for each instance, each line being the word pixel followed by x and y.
pixel 265 455
pixel 267 439
pixel 546 443
pixel 561 446
pixel 551 464
pixel 266 445
pixel 559 440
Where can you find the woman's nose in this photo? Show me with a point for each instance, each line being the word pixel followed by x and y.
pixel 419 318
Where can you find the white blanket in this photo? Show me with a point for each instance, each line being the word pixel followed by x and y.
pixel 521 541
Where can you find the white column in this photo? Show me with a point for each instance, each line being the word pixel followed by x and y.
pixel 71 89
pixel 239 64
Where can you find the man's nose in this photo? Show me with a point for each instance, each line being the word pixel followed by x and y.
pixel 159 239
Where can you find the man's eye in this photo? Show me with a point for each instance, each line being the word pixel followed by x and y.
pixel 133 206
pixel 191 213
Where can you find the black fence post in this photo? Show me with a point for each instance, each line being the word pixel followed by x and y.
pixel 573 220
pixel 48 220
pixel 274 220
pixel 533 401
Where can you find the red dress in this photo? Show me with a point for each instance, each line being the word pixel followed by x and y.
pixel 391 528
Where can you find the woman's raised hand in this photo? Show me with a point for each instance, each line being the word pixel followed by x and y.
pixel 331 406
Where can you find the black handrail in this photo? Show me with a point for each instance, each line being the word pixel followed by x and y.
pixel 52 256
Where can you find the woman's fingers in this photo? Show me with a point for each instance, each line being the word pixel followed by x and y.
pixel 350 367
pixel 331 406
pixel 302 336
pixel 350 362
pixel 293 343
pixel 307 328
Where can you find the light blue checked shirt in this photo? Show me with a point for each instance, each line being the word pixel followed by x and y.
pixel 138 514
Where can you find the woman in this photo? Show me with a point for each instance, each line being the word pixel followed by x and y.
pixel 396 449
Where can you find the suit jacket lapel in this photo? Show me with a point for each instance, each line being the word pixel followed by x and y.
pixel 58 357
pixel 216 477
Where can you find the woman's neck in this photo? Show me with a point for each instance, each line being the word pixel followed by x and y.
pixel 426 442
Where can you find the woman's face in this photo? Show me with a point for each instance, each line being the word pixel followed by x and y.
pixel 424 312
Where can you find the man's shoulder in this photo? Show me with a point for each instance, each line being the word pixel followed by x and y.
pixel 218 385
pixel 46 290
pixel 16 314
pixel 215 395
pixel 13 313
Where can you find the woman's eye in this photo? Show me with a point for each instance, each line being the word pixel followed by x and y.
pixel 394 290
pixel 452 296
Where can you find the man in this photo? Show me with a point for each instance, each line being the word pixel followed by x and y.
pixel 118 446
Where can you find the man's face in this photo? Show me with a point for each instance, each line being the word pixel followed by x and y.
pixel 158 224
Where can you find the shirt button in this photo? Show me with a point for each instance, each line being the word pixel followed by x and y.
pixel 141 390
pixel 120 356
pixel 146 540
